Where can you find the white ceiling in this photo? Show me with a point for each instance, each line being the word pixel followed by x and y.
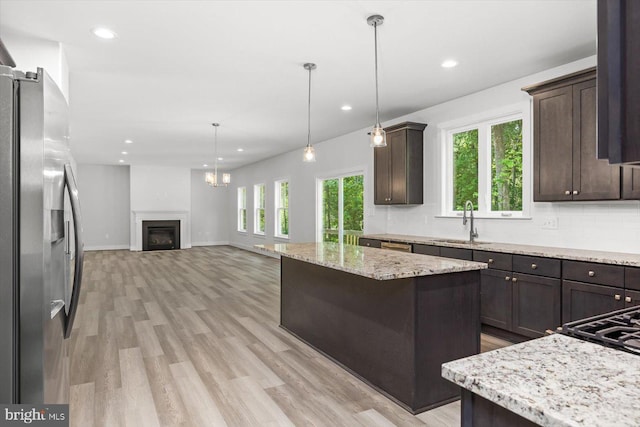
pixel 176 66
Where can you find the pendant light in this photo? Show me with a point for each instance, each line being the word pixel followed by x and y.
pixel 378 135
pixel 309 152
pixel 212 177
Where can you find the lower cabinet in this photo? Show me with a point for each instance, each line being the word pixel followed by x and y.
pixel 372 243
pixel 521 303
pixel 582 300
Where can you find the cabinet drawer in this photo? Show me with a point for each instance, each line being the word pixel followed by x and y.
pixel 497 260
pixel 458 253
pixel 603 274
pixel 426 249
pixel 372 243
pixel 548 267
pixel 632 278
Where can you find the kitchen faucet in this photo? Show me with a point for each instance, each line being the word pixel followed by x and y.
pixel 473 233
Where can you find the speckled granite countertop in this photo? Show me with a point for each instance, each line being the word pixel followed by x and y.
pixel 556 381
pixel 371 262
pixel 619 258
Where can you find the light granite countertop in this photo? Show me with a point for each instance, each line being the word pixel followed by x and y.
pixel 556 381
pixel 618 258
pixel 371 262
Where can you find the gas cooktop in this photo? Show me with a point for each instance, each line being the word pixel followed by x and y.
pixel 618 329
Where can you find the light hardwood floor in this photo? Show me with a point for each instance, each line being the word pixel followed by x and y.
pixel 191 338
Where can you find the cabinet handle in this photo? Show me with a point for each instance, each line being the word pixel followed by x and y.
pixel 490 261
pixel 627 299
pixel 592 273
pixel 507 278
pixel 515 279
pixel 567 192
pixel 575 192
pixel 534 266
pixel 617 297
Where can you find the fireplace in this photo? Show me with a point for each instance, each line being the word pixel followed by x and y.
pixel 160 235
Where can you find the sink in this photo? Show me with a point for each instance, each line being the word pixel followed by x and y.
pixel 456 241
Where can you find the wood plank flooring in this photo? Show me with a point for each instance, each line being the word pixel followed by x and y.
pixel 191 338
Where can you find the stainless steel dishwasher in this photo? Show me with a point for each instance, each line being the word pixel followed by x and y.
pixel 402 247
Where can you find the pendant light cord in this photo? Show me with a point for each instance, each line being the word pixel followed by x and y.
pixel 375 44
pixel 309 113
pixel 215 152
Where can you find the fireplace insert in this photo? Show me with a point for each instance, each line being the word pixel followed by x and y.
pixel 160 235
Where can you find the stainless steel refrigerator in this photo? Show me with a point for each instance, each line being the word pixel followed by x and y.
pixel 41 250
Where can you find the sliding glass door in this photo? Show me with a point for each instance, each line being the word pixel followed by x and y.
pixel 341 209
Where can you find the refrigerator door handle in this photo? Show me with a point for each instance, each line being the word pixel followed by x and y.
pixel 77 226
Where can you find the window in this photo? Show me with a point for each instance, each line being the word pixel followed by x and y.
pixel 341 210
pixel 242 209
pixel 282 209
pixel 258 205
pixel 484 165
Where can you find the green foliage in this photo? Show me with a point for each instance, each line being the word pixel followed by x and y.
pixel 465 168
pixel 283 210
pixel 353 207
pixel 506 166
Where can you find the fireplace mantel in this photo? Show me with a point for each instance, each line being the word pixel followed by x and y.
pixel 136 226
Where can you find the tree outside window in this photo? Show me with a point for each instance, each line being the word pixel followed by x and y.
pixel 487 166
pixel 242 209
pixel 258 203
pixel 282 208
pixel 343 209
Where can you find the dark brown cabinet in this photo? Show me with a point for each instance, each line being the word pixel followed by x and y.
pixel 582 300
pixel 564 142
pixel 426 249
pixel 372 243
pixel 398 167
pixel 525 304
pixel 631 182
pixel 619 81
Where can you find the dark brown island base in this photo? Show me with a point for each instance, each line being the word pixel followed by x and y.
pixel 387 317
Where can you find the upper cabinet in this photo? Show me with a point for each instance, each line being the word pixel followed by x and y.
pixel 398 171
pixel 619 81
pixel 565 165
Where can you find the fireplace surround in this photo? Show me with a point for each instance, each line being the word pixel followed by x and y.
pixel 160 235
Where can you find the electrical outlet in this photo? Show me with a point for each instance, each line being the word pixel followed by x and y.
pixel 550 223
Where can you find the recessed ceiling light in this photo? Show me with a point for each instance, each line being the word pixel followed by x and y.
pixel 449 63
pixel 220 158
pixel 104 33
pixel 128 141
pixel 205 165
pixel 121 161
pixel 240 149
pixel 346 108
pixel 125 153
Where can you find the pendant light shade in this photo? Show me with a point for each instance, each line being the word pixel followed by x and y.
pixel 211 178
pixel 309 152
pixel 377 134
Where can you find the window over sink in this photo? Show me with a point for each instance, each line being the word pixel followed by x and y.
pixel 485 161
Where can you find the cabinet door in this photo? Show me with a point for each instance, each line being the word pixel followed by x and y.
pixel 553 145
pixel 536 304
pixel 382 175
pixel 631 182
pixel 495 298
pixel 426 249
pixel 372 243
pixel 593 179
pixel 457 253
pixel 582 300
pixel 397 141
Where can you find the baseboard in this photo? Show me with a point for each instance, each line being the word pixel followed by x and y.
pixel 216 243
pixel 252 249
pixel 106 248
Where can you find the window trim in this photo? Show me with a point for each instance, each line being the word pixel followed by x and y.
pixel 483 122
pixel 256 202
pixel 241 205
pixel 277 207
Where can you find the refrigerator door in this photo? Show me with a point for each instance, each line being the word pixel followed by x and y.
pixel 8 239
pixel 75 249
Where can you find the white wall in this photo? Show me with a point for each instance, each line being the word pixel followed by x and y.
pixel 610 226
pixel 160 188
pixel 29 53
pixel 209 213
pixel 104 201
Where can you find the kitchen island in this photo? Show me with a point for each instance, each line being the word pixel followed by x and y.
pixel 551 381
pixel 390 318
